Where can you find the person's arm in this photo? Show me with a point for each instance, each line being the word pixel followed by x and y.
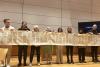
pixel 1 30
pixel 28 29
pixel 12 29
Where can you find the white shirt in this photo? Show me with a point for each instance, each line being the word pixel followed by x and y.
pixel 7 39
pixel 10 28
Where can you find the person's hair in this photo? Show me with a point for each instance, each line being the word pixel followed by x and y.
pixel 69 30
pixel 5 20
pixel 60 29
pixel 22 22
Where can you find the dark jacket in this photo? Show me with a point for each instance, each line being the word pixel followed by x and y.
pixel 24 28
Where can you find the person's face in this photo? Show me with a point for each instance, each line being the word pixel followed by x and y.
pixel 7 23
pixel 94 28
pixel 69 30
pixel 24 24
pixel 81 31
pixel 36 29
pixel 60 30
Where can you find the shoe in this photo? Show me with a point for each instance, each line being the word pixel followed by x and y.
pixel 57 62
pixel 68 62
pixel 84 61
pixel 61 62
pixel 38 64
pixel 93 60
pixel 25 64
pixel 49 62
pixel 30 64
pixel 8 65
pixel 97 60
pixel 72 62
pixel 19 64
pixel 80 61
pixel 2 65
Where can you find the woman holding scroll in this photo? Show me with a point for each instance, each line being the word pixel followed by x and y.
pixel 59 50
pixel 69 49
pixel 35 47
pixel 22 49
pixel 48 49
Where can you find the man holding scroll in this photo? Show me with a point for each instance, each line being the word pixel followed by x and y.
pixel 94 49
pixel 81 50
pixel 69 49
pixel 8 27
pixel 22 49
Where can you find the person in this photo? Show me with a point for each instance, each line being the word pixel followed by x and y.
pixel 81 50
pixel 69 49
pixel 35 47
pixel 94 49
pixel 59 50
pixel 22 49
pixel 48 50
pixel 8 27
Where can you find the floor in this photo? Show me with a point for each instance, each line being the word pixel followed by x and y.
pixel 14 62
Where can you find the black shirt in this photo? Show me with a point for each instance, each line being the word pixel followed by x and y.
pixel 94 32
pixel 25 29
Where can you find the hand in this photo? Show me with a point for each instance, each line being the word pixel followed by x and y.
pixel 12 30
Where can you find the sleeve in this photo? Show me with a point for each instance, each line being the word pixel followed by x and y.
pixel 28 29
